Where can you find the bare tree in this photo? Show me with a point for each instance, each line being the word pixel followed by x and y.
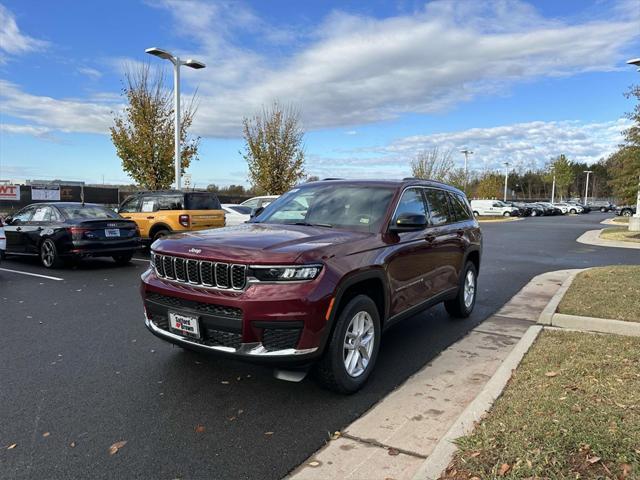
pixel 143 133
pixel 274 149
pixel 433 164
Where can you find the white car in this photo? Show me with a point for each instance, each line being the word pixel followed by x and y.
pixel 236 214
pixel 257 202
pixel 493 207
pixel 3 241
pixel 568 208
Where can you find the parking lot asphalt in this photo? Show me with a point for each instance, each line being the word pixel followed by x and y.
pixel 77 363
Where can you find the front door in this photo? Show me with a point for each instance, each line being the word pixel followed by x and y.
pixel 14 230
pixel 410 261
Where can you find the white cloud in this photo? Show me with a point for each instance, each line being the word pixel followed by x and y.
pixel 92 73
pixel 66 115
pixel 12 41
pixel 523 145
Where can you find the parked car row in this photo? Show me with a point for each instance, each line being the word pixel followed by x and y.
pixel 525 209
pixel 626 210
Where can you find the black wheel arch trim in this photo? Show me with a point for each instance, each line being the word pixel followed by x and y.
pixel 159 226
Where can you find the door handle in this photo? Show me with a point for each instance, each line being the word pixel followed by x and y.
pixel 19 229
pixel 460 232
pixel 430 238
pixel 150 218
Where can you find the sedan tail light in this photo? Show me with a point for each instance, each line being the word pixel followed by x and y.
pixel 78 233
pixel 184 220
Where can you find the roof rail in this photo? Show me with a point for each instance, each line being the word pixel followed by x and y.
pixel 332 178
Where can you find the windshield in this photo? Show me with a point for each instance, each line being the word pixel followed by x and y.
pixel 360 208
pixel 79 212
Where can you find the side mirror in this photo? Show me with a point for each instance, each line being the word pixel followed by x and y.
pixel 8 219
pixel 256 211
pixel 408 222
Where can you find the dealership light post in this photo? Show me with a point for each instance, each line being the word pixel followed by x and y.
pixel 466 153
pixel 177 63
pixel 506 179
pixel 586 188
pixel 634 222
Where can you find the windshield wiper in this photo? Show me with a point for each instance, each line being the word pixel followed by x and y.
pixel 307 224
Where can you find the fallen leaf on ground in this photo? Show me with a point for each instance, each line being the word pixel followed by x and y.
pixel 474 454
pixel 200 428
pixel 224 382
pixel 46 434
pixel 551 374
pixel 12 446
pixel 315 463
pixel 113 449
pixel 593 460
pixel 393 451
pixel 268 433
pixel 335 436
pixel 626 470
pixel 72 444
pixel 504 468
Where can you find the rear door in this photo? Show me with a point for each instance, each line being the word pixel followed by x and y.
pixel 13 230
pixel 447 253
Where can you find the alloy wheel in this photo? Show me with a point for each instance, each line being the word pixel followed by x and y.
pixel 358 344
pixel 48 253
pixel 469 289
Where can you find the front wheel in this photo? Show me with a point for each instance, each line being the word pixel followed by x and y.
pixel 507 214
pixel 573 211
pixel 49 254
pixel 476 214
pixel 123 258
pixel 626 213
pixel 534 213
pixel 351 354
pixel 462 305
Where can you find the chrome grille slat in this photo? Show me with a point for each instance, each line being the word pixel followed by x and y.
pixel 201 272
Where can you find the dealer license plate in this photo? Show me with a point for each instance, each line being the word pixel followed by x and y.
pixel 186 325
pixel 111 232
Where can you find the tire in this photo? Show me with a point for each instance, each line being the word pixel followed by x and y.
pixel 626 213
pixel 163 232
pixel 603 210
pixel 506 214
pixel 332 372
pixel 534 213
pixel 462 305
pixel 49 254
pixel 476 214
pixel 573 211
pixel 123 258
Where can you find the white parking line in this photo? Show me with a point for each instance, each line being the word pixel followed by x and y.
pixel 31 274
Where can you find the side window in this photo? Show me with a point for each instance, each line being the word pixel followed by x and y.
pixel 56 216
pixel 412 203
pixel 170 203
pixel 149 204
pixel 438 207
pixel 459 207
pixel 253 203
pixel 130 206
pixel 42 214
pixel 23 216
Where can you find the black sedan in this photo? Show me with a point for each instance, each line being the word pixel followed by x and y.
pixel 59 231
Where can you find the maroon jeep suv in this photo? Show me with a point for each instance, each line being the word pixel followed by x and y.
pixel 315 277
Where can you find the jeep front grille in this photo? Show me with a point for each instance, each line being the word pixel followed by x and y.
pixel 200 272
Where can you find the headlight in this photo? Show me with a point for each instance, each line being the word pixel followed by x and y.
pixel 293 273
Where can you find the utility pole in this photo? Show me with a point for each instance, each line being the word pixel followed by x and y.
pixel 586 188
pixel 506 179
pixel 466 153
pixel 553 190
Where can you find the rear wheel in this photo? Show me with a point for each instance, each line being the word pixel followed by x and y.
pixel 353 348
pixel 123 258
pixel 626 213
pixel 507 214
pixel 603 210
pixel 534 213
pixel 476 214
pixel 49 254
pixel 573 211
pixel 462 305
pixel 159 234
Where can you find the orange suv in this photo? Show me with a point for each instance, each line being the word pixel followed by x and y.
pixel 160 213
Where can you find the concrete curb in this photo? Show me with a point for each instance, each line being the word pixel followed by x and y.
pixel 610 221
pixel 600 325
pixel 592 237
pixel 548 312
pixel 442 454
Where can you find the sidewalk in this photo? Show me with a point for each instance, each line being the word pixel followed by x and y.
pixel 393 439
pixel 592 237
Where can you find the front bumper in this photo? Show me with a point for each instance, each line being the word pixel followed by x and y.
pixel 266 323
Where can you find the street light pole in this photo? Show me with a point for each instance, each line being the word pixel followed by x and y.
pixel 466 153
pixel 553 190
pixel 586 188
pixel 177 63
pixel 506 179
pixel 634 223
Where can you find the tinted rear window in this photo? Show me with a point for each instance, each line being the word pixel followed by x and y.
pixel 202 201
pixel 80 212
pixel 459 207
pixel 438 207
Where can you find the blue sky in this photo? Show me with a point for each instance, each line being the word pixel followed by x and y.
pixel 376 82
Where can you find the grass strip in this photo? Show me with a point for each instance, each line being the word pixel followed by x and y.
pixel 621 234
pixel 570 411
pixel 605 292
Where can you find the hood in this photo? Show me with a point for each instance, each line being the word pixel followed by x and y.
pixel 256 243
